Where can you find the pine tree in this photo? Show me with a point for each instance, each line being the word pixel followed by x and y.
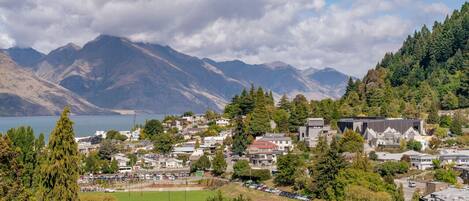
pixel 219 163
pixel 433 117
pixel 61 167
pixel 240 140
pixel 456 125
pixel 327 169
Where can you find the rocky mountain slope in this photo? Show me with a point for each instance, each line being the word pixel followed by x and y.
pixel 22 93
pixel 114 72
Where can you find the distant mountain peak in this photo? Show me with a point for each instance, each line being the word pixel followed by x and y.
pixel 24 56
pixel 276 64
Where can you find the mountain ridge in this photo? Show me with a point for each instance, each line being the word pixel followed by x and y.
pixel 115 72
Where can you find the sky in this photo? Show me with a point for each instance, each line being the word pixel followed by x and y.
pixel 350 35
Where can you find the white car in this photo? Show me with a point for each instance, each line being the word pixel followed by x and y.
pixel 108 190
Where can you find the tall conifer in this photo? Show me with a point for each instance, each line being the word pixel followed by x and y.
pixel 61 167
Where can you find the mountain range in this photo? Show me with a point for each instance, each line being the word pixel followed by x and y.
pixel 117 73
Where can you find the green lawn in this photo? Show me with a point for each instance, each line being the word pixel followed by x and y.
pixel 159 196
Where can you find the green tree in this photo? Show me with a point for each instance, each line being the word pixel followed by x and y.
pixel 152 128
pixel 188 114
pixel 351 142
pixel 299 112
pixel 163 143
pixel 445 121
pixel 219 163
pixel 115 135
pixel 446 175
pixel 433 117
pixel 60 171
pixel 416 195
pixel 106 149
pixel 114 166
pixel 456 125
pixel 240 168
pixel 23 140
pixel 280 117
pixel 373 156
pixel 260 121
pixel 326 171
pixel 11 184
pixel 240 140
pixel 391 168
pixel 414 145
pixel 441 132
pixel 202 164
pixel 287 167
pixel 92 163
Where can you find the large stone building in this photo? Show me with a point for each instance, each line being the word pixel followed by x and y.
pixel 313 128
pixel 385 132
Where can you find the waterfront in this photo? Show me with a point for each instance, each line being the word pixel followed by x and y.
pixel 83 125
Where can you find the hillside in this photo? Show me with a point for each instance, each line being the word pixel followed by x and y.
pixel 22 93
pixel 430 70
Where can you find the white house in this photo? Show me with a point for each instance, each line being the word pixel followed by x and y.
pixel 283 143
pixel 453 156
pixel 422 161
pixel 222 122
pixel 122 160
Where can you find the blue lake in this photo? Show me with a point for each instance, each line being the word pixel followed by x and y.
pixel 83 125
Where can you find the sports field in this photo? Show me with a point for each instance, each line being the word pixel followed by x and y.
pixel 152 196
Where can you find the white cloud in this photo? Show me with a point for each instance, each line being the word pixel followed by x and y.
pixel 349 35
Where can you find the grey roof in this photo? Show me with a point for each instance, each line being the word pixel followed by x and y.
pixel 453 194
pixel 381 124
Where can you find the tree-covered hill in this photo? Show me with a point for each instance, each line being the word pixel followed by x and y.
pixel 429 70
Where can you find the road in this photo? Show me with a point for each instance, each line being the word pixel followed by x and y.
pixel 408 191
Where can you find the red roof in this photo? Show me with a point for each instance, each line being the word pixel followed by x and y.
pixel 261 144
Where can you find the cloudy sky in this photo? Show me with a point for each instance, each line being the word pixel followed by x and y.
pixel 349 35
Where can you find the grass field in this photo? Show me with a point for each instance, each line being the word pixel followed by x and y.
pixel 157 196
pixel 230 190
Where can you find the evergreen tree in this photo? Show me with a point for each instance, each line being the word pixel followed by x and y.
pixel 240 140
pixel 11 184
pixel 284 103
pixel 163 143
pixel 351 142
pixel 23 139
pixel 152 128
pixel 260 121
pixel 456 124
pixel 433 117
pixel 287 167
pixel 327 169
pixel 219 163
pixel 60 171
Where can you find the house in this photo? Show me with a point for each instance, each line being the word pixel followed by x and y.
pixel 213 140
pixel 449 194
pixel 385 156
pixel 283 143
pixel 391 137
pixel 453 156
pixel 122 160
pixel 222 122
pixel 87 147
pixel 263 153
pixel 185 149
pixel 171 163
pixel 380 124
pixel 422 161
pixel 313 128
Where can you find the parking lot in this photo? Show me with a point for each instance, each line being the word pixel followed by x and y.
pixel 264 188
